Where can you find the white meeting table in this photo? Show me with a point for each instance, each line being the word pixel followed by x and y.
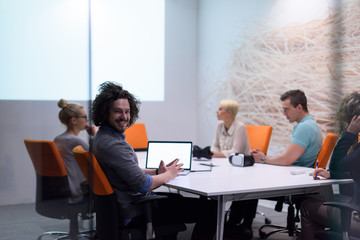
pixel 230 183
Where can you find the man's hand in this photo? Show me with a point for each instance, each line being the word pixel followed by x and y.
pixel 257 154
pixel 354 126
pixel 173 164
pixel 166 173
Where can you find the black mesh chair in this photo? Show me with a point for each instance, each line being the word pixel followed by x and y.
pixel 107 213
pixel 52 189
pixel 292 219
pixel 349 210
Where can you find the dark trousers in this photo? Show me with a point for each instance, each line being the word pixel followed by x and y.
pixel 243 211
pixel 316 217
pixel 179 209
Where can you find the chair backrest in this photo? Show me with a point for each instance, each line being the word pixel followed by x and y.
pixel 326 150
pixel 52 185
pixel 136 136
pixel 101 185
pixel 45 157
pixel 107 215
pixel 259 137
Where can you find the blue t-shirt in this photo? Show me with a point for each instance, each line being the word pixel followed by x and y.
pixel 307 134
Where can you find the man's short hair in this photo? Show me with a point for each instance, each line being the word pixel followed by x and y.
pixel 109 93
pixel 296 97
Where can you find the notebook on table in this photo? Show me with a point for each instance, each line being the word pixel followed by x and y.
pixel 169 151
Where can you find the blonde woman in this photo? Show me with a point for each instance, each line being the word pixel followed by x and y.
pixel 231 136
pixel 74 117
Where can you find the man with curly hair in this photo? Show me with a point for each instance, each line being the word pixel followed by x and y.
pixel 115 109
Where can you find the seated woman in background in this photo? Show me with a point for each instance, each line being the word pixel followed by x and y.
pixel 231 136
pixel 74 117
pixel 344 161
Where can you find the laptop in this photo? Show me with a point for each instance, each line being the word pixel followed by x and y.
pixel 169 151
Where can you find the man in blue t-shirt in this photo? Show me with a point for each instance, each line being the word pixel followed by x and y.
pixel 305 144
pixel 306 138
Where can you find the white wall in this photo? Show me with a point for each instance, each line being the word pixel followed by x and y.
pixel 174 118
pixel 220 24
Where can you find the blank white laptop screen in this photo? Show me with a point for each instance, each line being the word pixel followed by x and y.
pixel 169 151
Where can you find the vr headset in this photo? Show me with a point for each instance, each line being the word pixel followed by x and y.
pixel 202 152
pixel 241 160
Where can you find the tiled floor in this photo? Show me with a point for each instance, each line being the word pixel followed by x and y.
pixel 21 222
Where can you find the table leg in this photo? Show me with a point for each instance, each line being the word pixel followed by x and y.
pixel 220 218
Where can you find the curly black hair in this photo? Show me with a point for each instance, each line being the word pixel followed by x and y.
pixel 109 93
pixel 349 107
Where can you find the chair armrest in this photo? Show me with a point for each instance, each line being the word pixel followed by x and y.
pixel 148 198
pixel 344 205
pixel 346 213
pixel 147 202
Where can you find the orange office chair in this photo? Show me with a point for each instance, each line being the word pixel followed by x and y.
pixel 52 188
pixel 349 210
pixel 136 136
pixel 326 150
pixel 291 228
pixel 103 193
pixel 259 137
pixel 107 215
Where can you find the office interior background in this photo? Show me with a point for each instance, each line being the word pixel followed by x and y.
pixel 250 51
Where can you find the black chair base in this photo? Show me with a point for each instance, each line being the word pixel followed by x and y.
pixel 65 235
pixel 278 229
pixel 74 233
pixel 168 231
pixel 330 235
pixel 291 228
pixel 267 220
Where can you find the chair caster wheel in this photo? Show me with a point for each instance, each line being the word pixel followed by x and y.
pixel 262 235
